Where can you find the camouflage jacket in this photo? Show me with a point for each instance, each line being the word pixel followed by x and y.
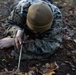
pixel 39 45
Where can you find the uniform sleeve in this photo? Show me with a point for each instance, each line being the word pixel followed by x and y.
pixel 52 38
pixel 17 17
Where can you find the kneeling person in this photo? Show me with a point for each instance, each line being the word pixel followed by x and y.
pixel 42 25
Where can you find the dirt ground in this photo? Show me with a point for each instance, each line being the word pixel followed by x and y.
pixel 64 57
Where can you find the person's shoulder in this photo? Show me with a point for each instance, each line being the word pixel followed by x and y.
pixel 27 2
pixel 54 8
pixel 22 2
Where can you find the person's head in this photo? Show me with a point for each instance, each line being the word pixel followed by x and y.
pixel 39 17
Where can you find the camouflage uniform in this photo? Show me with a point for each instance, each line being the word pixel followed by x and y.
pixel 39 45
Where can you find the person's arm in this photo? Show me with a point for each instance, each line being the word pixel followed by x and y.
pixel 52 38
pixel 15 23
pixel 17 18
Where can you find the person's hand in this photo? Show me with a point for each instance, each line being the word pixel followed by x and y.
pixel 18 39
pixel 6 42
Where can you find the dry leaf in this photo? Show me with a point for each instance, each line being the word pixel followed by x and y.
pixel 31 73
pixel 75 40
pixel 74 52
pixel 50 73
pixel 75 60
pixel 6 70
pixel 67 74
pixel 49 68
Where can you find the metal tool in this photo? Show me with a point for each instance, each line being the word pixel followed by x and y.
pixel 19 61
pixel 21 48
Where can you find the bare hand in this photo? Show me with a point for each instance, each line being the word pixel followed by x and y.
pixel 18 39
